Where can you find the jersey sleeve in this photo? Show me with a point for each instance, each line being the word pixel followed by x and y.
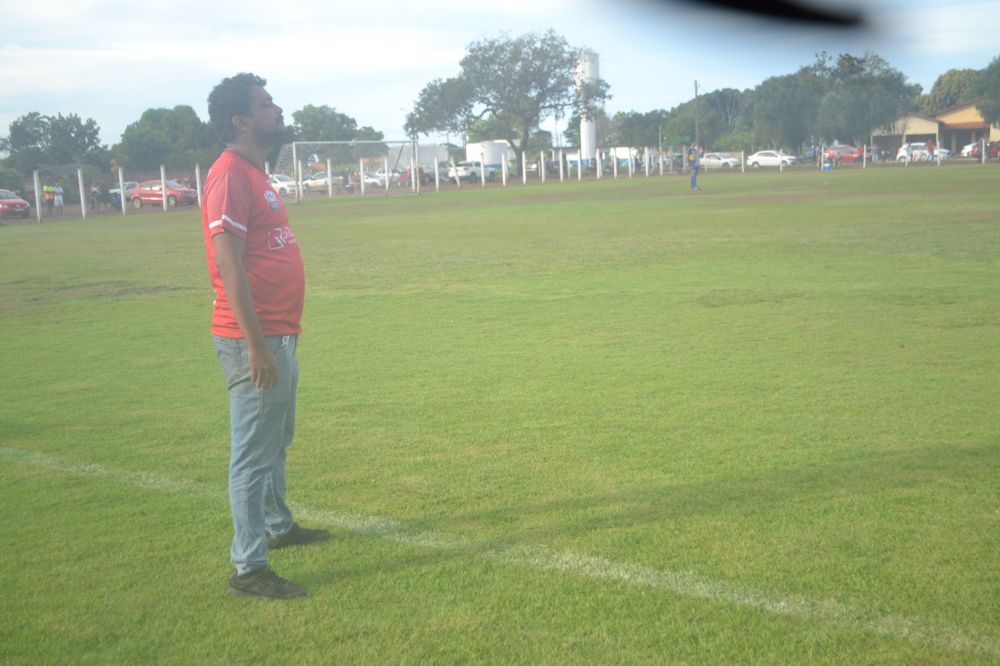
pixel 227 205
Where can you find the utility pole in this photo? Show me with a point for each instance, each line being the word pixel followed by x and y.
pixel 697 140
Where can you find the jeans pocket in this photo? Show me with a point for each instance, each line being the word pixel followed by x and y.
pixel 232 355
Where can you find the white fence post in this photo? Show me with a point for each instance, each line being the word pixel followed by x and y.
pixel 385 170
pixel 482 169
pixel 561 178
pixel 297 166
pixel 600 164
pixel 163 186
pixel 503 168
pixel 83 194
pixel 361 172
pixel 121 188
pixel 524 167
pixel 38 197
pixel 614 161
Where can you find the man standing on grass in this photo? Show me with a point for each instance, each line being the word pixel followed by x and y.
pixel 694 163
pixel 256 272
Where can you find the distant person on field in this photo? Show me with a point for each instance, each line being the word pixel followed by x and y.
pixel 694 163
pixel 57 198
pixel 49 192
pixel 256 271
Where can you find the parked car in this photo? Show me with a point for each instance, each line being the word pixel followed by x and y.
pixel 843 154
pixel 12 205
pixel 918 152
pixel 770 158
pixel 283 185
pixel 318 182
pixel 471 171
pixel 425 178
pixel 116 192
pixel 992 150
pixel 151 192
pixel 967 149
pixel 719 161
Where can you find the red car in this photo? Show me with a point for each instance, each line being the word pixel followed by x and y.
pixel 12 205
pixel 992 150
pixel 150 192
pixel 425 178
pixel 843 154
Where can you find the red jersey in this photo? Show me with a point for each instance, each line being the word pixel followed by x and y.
pixel 238 199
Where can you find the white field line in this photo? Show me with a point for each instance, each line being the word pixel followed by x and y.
pixel 685 584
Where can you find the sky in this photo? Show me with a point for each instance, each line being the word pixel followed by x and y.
pixel 110 60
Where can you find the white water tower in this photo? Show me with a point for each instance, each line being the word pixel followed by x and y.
pixel 587 72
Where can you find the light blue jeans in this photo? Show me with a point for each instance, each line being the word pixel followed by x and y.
pixel 262 424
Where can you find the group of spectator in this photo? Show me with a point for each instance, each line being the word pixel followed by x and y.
pixel 54 198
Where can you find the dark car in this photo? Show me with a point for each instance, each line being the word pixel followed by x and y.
pixel 151 192
pixel 12 205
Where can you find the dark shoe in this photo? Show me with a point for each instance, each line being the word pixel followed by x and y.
pixel 296 536
pixel 264 584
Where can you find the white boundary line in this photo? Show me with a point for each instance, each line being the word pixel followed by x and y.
pixel 685 584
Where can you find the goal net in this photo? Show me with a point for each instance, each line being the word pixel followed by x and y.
pixel 358 166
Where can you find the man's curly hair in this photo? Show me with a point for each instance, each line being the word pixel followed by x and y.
pixel 231 98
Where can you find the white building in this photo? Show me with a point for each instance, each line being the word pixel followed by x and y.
pixel 489 153
pixel 587 72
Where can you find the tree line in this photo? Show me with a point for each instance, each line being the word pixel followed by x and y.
pixel 507 86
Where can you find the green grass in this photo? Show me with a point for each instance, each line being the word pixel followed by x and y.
pixel 527 414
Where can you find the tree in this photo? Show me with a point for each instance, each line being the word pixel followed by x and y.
pixel 25 144
pixel 639 129
pixel 988 86
pixel 176 137
pixel 864 94
pixel 35 139
pixel 515 82
pixel 73 140
pixel 785 109
pixel 323 123
pixel 951 88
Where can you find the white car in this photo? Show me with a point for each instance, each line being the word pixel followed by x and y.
pixel 719 161
pixel 471 171
pixel 116 192
pixel 967 149
pixel 770 158
pixel 283 185
pixel 318 183
pixel 918 153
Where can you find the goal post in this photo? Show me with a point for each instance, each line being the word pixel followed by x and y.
pixel 357 166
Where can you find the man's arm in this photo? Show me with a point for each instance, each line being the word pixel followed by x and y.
pixel 229 250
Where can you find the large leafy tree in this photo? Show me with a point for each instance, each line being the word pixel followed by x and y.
pixel 323 123
pixel 785 109
pixel 176 137
pixel 988 86
pixel 953 87
pixel 36 139
pixel 515 82
pixel 863 94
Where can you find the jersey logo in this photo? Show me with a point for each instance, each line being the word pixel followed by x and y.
pixel 279 237
pixel 272 199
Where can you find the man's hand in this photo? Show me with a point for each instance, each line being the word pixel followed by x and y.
pixel 263 367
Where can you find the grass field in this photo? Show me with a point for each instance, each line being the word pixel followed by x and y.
pixel 610 422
